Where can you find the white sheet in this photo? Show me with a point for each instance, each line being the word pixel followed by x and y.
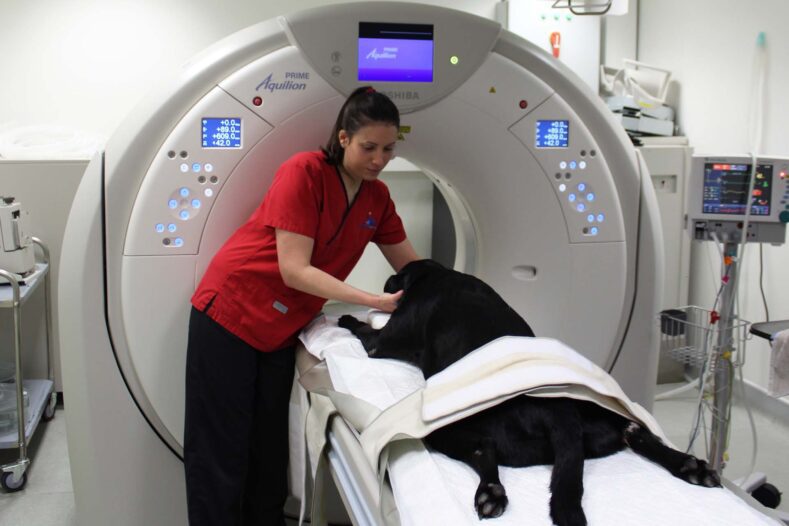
pixel 431 489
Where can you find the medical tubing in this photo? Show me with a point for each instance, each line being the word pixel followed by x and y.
pixel 754 435
pixel 761 281
pixel 703 377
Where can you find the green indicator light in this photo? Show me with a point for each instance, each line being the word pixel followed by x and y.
pixel 454 60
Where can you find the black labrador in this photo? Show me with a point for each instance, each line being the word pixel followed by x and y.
pixel 442 316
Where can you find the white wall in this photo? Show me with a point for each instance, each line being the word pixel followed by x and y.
pixel 710 47
pixel 86 63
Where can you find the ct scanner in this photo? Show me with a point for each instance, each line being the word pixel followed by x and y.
pixel 551 205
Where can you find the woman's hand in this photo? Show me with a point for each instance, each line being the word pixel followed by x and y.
pixel 388 302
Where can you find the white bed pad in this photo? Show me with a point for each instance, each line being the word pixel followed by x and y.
pixel 430 489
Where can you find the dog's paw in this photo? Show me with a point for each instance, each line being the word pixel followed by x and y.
pixel 347 321
pixel 490 500
pixel 696 471
pixel 568 516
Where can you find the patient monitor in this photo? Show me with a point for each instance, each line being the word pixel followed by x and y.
pixel 717 198
pixel 550 205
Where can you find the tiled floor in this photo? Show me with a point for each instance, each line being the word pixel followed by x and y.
pixel 48 499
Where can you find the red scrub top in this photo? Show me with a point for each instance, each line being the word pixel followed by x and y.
pixel 242 289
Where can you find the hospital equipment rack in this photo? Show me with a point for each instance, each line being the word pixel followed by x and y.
pixel 42 396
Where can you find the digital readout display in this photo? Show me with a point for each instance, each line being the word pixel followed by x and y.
pixel 552 134
pixel 395 52
pixel 222 132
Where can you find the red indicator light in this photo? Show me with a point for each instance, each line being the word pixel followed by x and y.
pixel 523 104
pixel 257 101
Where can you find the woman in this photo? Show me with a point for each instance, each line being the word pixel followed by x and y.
pixel 269 280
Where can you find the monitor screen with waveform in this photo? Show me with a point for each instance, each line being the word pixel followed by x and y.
pixel 726 189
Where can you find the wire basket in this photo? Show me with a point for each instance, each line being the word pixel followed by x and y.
pixel 693 336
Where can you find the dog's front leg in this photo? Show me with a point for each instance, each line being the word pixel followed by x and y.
pixel 366 334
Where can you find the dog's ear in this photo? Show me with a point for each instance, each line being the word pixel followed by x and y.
pixel 410 274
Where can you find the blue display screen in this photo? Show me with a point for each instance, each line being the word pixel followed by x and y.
pixel 552 134
pixel 224 132
pixel 395 52
pixel 726 189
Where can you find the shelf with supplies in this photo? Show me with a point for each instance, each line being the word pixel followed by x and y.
pixel 24 402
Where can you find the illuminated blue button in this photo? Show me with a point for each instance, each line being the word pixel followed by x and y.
pixel 171 227
pixel 582 165
pixel 600 218
pixel 196 167
pixel 184 167
pixel 184 192
pixel 195 203
pixel 573 165
pixel 581 207
pixel 590 196
pixel 581 187
pixel 179 242
pixel 590 218
pixel 571 197
pixel 173 204
pixel 184 214
pixel 159 227
pixel 208 192
pixel 563 165
pixel 208 167
pixel 593 230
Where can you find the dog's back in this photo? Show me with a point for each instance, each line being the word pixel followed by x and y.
pixel 457 313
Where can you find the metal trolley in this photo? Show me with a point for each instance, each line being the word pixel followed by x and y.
pixel 715 346
pixel 35 399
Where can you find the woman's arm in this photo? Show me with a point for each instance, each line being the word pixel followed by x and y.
pixel 294 252
pixel 399 254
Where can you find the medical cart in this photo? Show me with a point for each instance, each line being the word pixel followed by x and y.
pixel 35 399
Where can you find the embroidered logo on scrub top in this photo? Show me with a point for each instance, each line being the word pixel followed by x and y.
pixel 369 223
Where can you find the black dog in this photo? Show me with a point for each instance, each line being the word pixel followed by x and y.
pixel 442 316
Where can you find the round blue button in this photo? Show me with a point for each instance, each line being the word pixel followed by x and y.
pixel 196 203
pixel 184 214
pixel 593 230
pixel 159 227
pixel 184 192
pixel 590 196
pixel 600 218
pixel 173 204
pixel 581 207
pixel 581 187
pixel 179 242
pixel 171 227
pixel 590 218
pixel 571 197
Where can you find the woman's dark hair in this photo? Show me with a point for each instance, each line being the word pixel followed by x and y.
pixel 364 106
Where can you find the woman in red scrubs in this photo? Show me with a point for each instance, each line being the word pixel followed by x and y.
pixel 270 278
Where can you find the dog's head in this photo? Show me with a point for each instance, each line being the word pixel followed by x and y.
pixel 411 273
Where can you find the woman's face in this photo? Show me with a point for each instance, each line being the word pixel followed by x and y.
pixel 368 150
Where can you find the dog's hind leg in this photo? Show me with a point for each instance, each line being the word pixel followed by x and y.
pixel 566 437
pixel 681 465
pixel 490 499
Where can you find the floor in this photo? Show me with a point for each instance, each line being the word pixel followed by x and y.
pixel 48 498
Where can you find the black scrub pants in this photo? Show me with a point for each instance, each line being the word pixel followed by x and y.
pixel 236 428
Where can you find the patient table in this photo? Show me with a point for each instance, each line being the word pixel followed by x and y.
pixel 413 486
